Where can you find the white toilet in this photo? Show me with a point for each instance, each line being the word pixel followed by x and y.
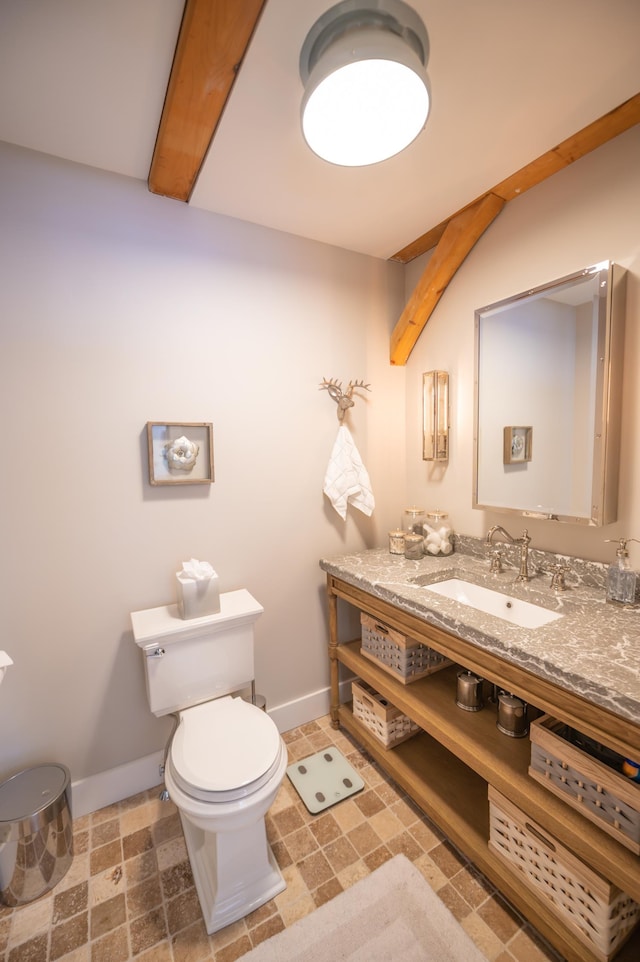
pixel 226 759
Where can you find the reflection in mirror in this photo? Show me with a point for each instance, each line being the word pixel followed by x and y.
pixel 548 392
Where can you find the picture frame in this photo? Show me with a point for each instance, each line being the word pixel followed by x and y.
pixel 180 452
pixel 517 444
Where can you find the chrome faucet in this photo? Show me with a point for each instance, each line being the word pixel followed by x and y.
pixel 557 572
pixel 523 543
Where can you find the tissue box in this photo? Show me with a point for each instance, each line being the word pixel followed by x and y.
pixel 197 598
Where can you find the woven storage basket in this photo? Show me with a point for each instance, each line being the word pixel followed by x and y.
pixel 402 657
pixel 597 912
pixel 602 794
pixel 383 720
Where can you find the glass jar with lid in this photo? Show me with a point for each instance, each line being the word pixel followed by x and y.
pixel 413 520
pixel 413 546
pixel 438 533
pixel 396 541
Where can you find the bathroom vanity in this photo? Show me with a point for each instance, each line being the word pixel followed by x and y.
pixel 583 668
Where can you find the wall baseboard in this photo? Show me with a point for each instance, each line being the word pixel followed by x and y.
pixel 106 788
pixel 97 791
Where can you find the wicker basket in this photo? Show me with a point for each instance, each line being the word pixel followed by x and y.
pixel 597 912
pixel 601 793
pixel 385 722
pixel 405 659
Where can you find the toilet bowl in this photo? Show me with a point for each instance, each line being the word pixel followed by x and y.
pixel 224 762
pixel 226 759
pixel 225 766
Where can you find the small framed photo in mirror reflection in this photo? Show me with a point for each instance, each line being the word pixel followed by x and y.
pixel 517 444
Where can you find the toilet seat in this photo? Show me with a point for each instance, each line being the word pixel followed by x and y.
pixel 224 750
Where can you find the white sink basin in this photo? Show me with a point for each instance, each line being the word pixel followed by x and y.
pixel 516 612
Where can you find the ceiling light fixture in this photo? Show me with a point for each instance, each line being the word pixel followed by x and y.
pixel 363 66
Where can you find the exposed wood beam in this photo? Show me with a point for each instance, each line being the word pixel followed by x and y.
pixel 617 121
pixel 212 42
pixel 459 236
pixel 454 237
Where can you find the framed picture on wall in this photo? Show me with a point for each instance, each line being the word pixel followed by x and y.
pixel 517 444
pixel 180 452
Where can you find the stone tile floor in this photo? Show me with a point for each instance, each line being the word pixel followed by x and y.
pixel 129 893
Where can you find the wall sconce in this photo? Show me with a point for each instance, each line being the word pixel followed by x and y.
pixel 435 391
pixel 363 66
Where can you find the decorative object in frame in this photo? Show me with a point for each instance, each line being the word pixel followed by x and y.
pixel 517 444
pixel 180 453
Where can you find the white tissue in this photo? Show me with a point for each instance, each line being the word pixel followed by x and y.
pixel 195 570
pixel 198 589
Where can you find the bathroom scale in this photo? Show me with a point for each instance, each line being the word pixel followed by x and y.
pixel 324 779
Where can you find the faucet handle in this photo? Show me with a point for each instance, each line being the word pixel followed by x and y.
pixel 558 572
pixel 496 561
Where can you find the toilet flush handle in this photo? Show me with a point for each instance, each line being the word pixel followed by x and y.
pixel 156 653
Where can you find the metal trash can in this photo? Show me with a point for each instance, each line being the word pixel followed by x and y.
pixel 36 834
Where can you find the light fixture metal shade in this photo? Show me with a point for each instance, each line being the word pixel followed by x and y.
pixel 435 389
pixel 366 97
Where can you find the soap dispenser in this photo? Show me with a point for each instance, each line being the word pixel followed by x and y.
pixel 621 578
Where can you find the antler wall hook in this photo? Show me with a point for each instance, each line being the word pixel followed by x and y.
pixel 344 399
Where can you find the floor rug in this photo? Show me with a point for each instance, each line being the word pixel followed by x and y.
pixel 323 779
pixel 392 914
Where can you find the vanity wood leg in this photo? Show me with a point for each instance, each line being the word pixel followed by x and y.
pixel 334 679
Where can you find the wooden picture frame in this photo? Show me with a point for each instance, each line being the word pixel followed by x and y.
pixel 180 452
pixel 517 444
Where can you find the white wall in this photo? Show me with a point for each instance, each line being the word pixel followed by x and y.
pixel 585 214
pixel 119 307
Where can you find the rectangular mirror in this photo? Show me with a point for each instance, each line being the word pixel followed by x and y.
pixel 548 399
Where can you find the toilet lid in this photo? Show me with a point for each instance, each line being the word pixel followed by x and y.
pixel 224 749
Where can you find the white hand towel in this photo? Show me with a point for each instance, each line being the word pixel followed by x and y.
pixel 346 480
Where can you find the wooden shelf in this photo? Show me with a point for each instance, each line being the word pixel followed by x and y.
pixel 455 798
pixel 416 765
pixel 474 739
pixel 447 768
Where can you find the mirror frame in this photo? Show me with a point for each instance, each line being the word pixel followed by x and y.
pixel 608 408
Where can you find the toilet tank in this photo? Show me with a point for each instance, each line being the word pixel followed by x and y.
pixel 191 661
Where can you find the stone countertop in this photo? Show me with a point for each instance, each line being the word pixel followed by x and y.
pixel 593 650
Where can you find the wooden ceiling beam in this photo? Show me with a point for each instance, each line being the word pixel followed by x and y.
pixel 594 135
pixel 460 235
pixel 214 36
pixel 454 237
